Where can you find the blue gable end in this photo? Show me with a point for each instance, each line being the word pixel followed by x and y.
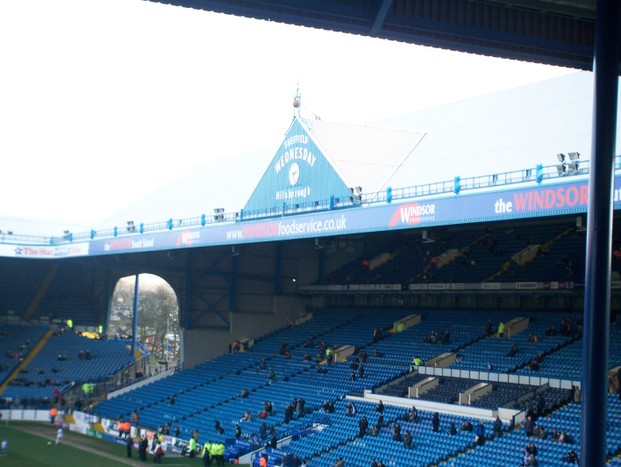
pixel 299 173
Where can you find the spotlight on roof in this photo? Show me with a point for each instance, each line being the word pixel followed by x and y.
pixel 573 156
pixel 219 214
pixel 561 157
pixel 131 227
pixel 356 195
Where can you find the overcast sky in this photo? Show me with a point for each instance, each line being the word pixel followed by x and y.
pixel 104 101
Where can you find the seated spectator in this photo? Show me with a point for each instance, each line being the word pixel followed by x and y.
pixel 350 409
pixel 539 432
pixel 244 394
pixel 446 338
pixel 513 350
pixel 466 426
pixel 218 427
pixel 328 407
pixel 396 432
pixel 531 448
pixel 377 353
pixel 571 457
pixel 246 417
pixel 565 438
pixel 533 365
pixel 452 429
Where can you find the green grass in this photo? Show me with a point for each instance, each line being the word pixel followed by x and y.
pixel 26 450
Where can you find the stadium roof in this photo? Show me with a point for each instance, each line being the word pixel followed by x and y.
pixel 506 131
pixel 364 155
pixel 556 32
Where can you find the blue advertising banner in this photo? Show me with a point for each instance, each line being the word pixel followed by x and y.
pixel 566 197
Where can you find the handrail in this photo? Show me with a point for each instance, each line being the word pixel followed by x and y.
pixel 451 187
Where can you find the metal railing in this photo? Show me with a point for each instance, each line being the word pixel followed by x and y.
pixel 536 175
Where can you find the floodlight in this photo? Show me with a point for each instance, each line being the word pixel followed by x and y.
pixel 561 157
pixel 573 156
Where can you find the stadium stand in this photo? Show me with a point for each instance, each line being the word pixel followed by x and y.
pixel 212 391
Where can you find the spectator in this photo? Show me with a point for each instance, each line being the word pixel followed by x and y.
pixel 479 432
pixel 571 457
pixel 497 426
pixel 363 424
pixel 529 426
pixel 396 432
pixel 452 429
pixel 158 453
pixel 350 409
pixel 487 329
pixel 539 432
pixel 564 438
pixel 407 440
pixel 466 426
pixel 218 427
pixel 435 422
pixel 513 350
pixel 142 448
pixel 416 362
pixel 501 329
